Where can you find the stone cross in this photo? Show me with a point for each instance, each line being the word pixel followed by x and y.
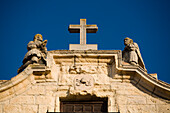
pixel 83 29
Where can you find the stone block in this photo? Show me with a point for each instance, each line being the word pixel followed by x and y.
pixel 4 102
pixel 121 99
pixel 117 85
pixel 57 104
pixel 51 87
pixel 45 100
pixel 154 100
pixel 23 86
pixel 62 93
pixel 112 105
pixel 0 108
pixel 132 90
pixel 43 108
pixel 151 100
pixel 29 108
pixel 103 93
pixel 36 90
pixel 40 77
pixel 137 100
pixel 163 108
pixel 122 109
pixel 23 100
pixel 7 93
pixel 141 109
pixel 12 108
pixel 63 88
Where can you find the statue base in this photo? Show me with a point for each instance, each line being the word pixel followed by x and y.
pixel 83 47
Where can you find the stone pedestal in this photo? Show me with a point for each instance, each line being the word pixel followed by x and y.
pixel 83 47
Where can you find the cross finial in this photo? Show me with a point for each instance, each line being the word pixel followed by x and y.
pixel 83 29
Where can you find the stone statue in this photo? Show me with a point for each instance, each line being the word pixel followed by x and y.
pixel 37 52
pixel 131 53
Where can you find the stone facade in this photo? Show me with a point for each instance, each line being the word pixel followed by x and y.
pixel 76 75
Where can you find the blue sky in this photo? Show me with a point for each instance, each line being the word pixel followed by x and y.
pixel 145 21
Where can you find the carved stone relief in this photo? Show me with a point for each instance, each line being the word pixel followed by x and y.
pixel 83 82
pixel 85 69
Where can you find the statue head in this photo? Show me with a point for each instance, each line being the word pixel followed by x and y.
pixel 127 41
pixel 38 37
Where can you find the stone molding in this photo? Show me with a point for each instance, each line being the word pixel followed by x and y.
pixel 140 76
pixel 146 82
pixel 21 82
pixel 142 79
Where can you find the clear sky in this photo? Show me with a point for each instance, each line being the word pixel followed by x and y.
pixel 147 22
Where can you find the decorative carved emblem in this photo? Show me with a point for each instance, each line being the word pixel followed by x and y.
pixel 83 82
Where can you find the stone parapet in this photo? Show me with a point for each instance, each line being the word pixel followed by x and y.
pixel 84 75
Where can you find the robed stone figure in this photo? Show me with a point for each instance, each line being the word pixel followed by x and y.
pixel 131 53
pixel 36 54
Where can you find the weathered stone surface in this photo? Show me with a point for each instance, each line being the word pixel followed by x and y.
pixel 123 109
pixel 23 100
pixel 12 108
pixel 20 88
pixel 155 101
pixel 0 108
pixel 29 108
pixel 45 100
pixel 163 108
pixel 112 104
pixel 4 102
pixel 5 94
pixel 137 100
pixel 141 109
pixel 36 90
pixel 128 89
pixel 43 108
pixel 121 100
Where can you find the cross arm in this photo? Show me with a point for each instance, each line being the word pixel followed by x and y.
pixel 91 28
pixel 76 28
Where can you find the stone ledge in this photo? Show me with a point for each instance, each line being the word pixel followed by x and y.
pixel 22 81
pixel 85 51
pixel 144 80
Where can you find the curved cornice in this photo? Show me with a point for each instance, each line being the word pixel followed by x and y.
pixel 143 80
pixel 17 84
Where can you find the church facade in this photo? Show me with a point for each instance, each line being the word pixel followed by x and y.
pixel 83 79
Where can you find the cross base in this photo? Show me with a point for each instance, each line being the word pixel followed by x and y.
pixel 83 47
